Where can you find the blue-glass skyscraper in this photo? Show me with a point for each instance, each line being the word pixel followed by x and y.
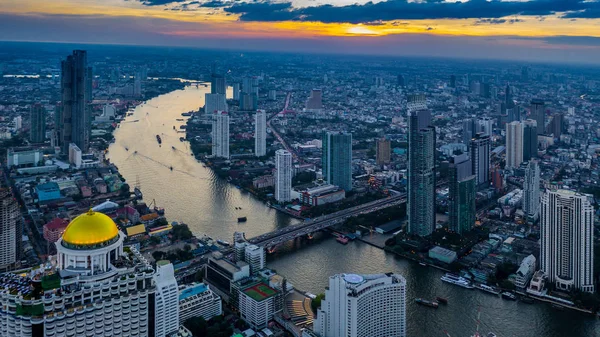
pixel 337 159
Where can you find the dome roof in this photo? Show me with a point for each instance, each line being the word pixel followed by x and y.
pixel 91 228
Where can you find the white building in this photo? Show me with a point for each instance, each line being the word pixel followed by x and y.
pixel 283 176
pixel 18 121
pixel 260 133
pixel 92 287
pixel 255 257
pixel 531 191
pixel 567 248
pixel 75 155
pixel 214 103
pixel 525 272
pixel 10 230
pixel 197 300
pixel 166 307
pixel 486 125
pixel 257 303
pixel 220 134
pixel 108 112
pixel 363 305
pixel 514 144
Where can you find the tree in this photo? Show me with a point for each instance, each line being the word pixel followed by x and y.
pixel 158 255
pixel 316 302
pixel 154 240
pixel 124 190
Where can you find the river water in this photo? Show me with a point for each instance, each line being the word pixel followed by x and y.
pixel 192 194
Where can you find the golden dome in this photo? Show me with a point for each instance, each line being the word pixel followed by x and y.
pixel 90 228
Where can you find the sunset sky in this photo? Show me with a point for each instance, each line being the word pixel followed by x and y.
pixel 545 30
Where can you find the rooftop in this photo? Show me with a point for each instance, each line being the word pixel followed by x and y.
pixel 259 292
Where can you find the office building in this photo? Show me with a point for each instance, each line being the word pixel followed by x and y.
pixel 214 102
pixel 197 300
pixel 37 132
pixel 470 128
pixel 21 156
pixel 220 135
pixel 479 149
pixel 314 102
pixel 509 102
pixel 217 82
pixel 384 151
pixel 452 81
pixel 94 286
pixel 538 113
pixel 248 101
pixel 75 114
pixel 514 144
pixel 250 85
pixel 236 91
pixel 75 155
pixel 363 305
pixel 337 159
pixel 567 245
pixel 221 273
pixel 556 126
pixel 486 125
pixel 255 257
pixel 531 191
pixel 421 169
pixel 11 230
pixel 166 302
pixel 530 140
pixel 461 196
pixel 260 133
pixel 257 302
pixel 400 81
pixel 283 176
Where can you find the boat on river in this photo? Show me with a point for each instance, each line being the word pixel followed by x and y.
pixel 342 239
pixel 242 219
pixel 431 304
pixel 442 300
pixel 487 289
pixel 457 280
pixel 509 296
pixel 158 139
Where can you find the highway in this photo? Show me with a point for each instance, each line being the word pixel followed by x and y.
pixel 276 134
pixel 272 239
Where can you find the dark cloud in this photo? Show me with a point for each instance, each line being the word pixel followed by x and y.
pixel 159 2
pixel 405 10
pixel 497 21
pixel 214 4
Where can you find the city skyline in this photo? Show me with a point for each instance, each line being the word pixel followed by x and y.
pixel 536 30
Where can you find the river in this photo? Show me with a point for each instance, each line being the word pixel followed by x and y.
pixel 192 194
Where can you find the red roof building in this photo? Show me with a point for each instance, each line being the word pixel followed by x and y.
pixel 54 229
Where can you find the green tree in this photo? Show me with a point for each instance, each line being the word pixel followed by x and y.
pixel 316 302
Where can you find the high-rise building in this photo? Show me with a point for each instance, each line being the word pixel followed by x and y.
pixel 166 304
pixel 283 176
pixel 214 102
pixel 94 286
pixel 315 100
pixel 469 129
pixel 531 191
pixel 236 91
pixel 567 248
pixel 514 144
pixel 509 103
pixel 421 169
pixel 452 81
pixel 401 82
pixel 220 135
pixel 37 133
pixel 363 305
pixel 337 159
pixel 486 125
pixel 198 300
pixel 538 112
pixel 557 125
pixel 75 114
pixel 57 133
pixel 260 133
pixel 384 151
pixel 480 159
pixel 11 230
pixel 248 101
pixel 255 257
pixel 217 82
pixel 530 139
pixel 250 85
pixel 461 196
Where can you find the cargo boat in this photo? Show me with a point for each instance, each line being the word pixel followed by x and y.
pixel 158 139
pixel 242 219
pixel 442 300
pixel 342 240
pixel 431 304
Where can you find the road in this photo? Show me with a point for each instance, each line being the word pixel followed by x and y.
pixel 277 135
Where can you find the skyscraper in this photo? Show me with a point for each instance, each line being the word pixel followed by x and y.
pixel 214 102
pixel 452 81
pixel 166 309
pixel 217 82
pixel 509 103
pixel 236 91
pixel 421 168
pixel 220 135
pixel 363 305
pixel 37 133
pixel 11 230
pixel 315 100
pixel 255 257
pixel 75 114
pixel 480 159
pixel 260 133
pixel 401 81
pixel 283 176
pixel 337 159
pixel 567 249
pixel 461 196
pixel 469 129
pixel 514 144
pixel 530 141
pixel 531 191
pixel 486 125
pixel 557 124
pixel 384 151
pixel 538 113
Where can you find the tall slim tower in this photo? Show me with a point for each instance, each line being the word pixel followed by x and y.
pixel 75 114
pixel 38 123
pixel 567 249
pixel 539 114
pixel 531 191
pixel 166 306
pixel 337 159
pixel 480 159
pixel 530 141
pixel 363 305
pixel 11 230
pixel 462 191
pixel 260 133
pixel 384 151
pixel 470 127
pixel 421 168
pixel 514 144
pixel 217 82
pixel 220 134
pixel 283 176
